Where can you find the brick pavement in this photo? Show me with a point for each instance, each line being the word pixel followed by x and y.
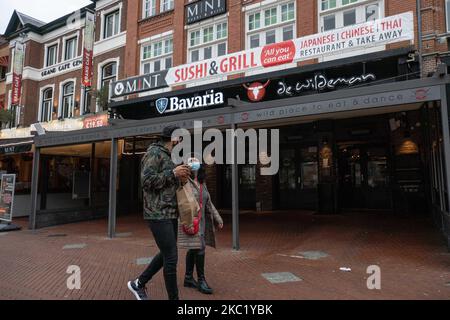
pixel 414 261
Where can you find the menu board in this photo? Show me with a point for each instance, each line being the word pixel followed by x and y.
pixel 8 182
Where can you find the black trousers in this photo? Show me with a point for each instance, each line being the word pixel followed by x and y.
pixel 165 233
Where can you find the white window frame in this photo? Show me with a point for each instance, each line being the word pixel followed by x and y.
pixel 65 39
pixel 41 100
pixel 278 27
pixel 339 14
pixel 163 2
pixel 99 73
pixel 104 13
pixel 162 57
pixel 339 10
pixel 214 43
pixel 61 96
pixel 152 6
pixel 48 45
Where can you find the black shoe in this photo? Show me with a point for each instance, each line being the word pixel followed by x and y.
pixel 189 282
pixel 203 287
pixel 139 293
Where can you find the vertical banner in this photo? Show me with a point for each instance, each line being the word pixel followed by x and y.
pixel 8 185
pixel 88 49
pixel 19 54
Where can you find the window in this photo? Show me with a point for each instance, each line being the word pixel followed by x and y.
pixel 111 24
pixel 277 25
pixel 109 74
pixel 208 42
pixel 70 48
pixel 254 21
pixel 67 106
pixel 349 17
pixel 328 4
pixel 3 71
pixel 52 53
pixel 288 33
pixel 87 101
pixel 270 16
pixel 348 12
pixel 166 5
pixel 287 12
pixel 157 56
pixel 149 8
pixel 329 22
pixel 46 105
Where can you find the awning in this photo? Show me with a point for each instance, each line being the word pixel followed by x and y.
pixel 9 148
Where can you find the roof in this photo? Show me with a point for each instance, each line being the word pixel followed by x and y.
pixel 21 22
pixel 26 19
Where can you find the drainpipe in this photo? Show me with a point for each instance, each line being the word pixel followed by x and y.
pixel 419 28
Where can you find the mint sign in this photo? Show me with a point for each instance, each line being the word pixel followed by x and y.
pixel 204 9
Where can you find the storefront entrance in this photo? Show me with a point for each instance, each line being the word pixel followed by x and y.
pixel 298 177
pixel 364 177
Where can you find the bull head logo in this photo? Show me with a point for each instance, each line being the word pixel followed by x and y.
pixel 256 91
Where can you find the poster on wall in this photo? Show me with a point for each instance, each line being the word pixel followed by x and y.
pixel 8 184
pixel 379 32
pixel 19 54
pixel 88 49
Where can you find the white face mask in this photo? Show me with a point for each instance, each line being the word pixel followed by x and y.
pixel 194 164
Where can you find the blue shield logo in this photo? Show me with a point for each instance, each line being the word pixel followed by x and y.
pixel 161 105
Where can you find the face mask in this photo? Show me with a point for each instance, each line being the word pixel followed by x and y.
pixel 195 166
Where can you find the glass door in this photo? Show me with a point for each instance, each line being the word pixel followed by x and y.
pixel 298 177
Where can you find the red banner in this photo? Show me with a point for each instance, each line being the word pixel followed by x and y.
pixel 95 121
pixel 19 53
pixel 88 50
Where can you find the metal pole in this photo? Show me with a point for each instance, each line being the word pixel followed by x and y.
pixel 446 137
pixel 112 190
pixel 235 191
pixel 34 187
pixel 419 32
pixel 92 175
pixel 445 133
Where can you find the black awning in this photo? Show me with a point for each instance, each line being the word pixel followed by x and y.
pixel 9 148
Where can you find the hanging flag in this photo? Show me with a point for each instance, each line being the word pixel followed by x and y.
pixel 19 54
pixel 88 49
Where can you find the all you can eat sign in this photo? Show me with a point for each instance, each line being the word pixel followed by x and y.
pixel 373 33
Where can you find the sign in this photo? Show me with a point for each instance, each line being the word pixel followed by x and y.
pixel 365 35
pixel 88 49
pixel 95 121
pixel 204 9
pixel 14 149
pixel 174 104
pixel 62 67
pixel 139 84
pixel 339 105
pixel 19 55
pixel 320 82
pixel 256 91
pixel 8 184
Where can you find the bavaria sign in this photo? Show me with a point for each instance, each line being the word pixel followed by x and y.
pixel 174 104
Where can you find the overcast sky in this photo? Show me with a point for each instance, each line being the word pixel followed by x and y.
pixel 44 10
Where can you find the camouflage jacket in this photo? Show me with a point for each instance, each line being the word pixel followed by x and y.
pixel 159 184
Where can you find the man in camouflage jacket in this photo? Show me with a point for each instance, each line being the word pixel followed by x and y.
pixel 160 180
